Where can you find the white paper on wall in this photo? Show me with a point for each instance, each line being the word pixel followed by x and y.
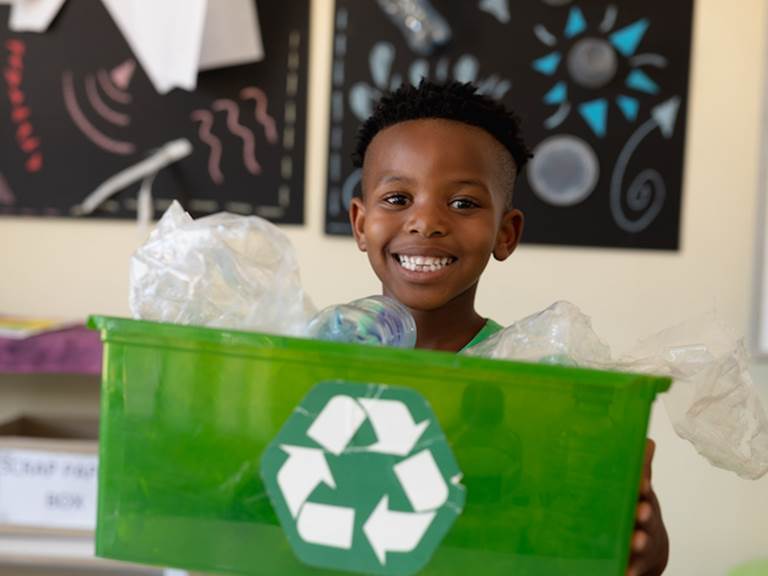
pixel 165 38
pixel 32 15
pixel 231 34
pixel 172 39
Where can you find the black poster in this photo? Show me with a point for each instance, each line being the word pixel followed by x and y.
pixel 601 87
pixel 76 109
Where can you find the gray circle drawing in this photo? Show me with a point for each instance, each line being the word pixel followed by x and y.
pixel 564 170
pixel 592 62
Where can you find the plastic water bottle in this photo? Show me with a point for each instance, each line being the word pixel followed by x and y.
pixel 376 320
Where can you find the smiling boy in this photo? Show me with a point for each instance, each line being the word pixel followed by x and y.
pixel 439 166
pixel 436 204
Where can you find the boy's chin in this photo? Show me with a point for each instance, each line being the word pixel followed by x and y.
pixel 419 302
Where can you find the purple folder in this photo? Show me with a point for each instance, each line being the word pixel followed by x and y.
pixel 73 350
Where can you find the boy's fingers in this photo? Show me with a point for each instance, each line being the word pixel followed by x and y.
pixel 639 541
pixel 640 554
pixel 644 512
pixel 650 449
pixel 645 484
pixel 648 544
pixel 637 569
pixel 649 547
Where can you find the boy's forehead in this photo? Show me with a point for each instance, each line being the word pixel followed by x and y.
pixel 436 139
pixel 420 127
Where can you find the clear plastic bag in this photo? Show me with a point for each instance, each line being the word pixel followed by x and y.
pixel 713 403
pixel 560 334
pixel 223 270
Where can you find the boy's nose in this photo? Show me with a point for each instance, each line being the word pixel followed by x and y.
pixel 427 221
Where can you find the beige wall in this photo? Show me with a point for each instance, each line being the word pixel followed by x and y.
pixel 73 268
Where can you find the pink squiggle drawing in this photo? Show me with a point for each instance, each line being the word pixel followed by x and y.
pixel 204 133
pixel 111 90
pixel 262 116
pixel 94 135
pixel 234 126
pixel 113 116
pixel 7 197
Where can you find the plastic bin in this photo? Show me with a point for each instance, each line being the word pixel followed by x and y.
pixel 551 456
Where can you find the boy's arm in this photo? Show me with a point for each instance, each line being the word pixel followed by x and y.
pixel 650 543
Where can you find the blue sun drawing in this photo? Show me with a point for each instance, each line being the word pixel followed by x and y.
pixel 592 61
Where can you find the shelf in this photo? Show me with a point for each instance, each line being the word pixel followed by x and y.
pixel 48 554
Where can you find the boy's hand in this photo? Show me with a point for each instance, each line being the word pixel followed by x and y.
pixel 650 544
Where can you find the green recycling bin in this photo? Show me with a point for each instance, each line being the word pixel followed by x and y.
pixel 247 453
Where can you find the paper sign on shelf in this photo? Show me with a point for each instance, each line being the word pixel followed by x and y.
pixel 48 489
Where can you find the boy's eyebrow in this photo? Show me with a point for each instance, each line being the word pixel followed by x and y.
pixel 396 178
pixel 472 182
pixel 399 179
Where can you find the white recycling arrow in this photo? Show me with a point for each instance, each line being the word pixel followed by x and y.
pixel 422 481
pixel 396 432
pixel 298 477
pixel 391 531
pixel 327 525
pixel 337 423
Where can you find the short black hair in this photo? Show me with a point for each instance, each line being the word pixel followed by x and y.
pixel 461 102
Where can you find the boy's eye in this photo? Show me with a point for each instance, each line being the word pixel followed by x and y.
pixel 396 199
pixel 464 204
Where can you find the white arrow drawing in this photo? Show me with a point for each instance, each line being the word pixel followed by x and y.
pixel 338 422
pixel 298 477
pixel 647 191
pixel 391 531
pixel 396 432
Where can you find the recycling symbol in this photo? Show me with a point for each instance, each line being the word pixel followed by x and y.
pixel 362 479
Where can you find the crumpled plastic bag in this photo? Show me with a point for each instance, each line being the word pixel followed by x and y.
pixel 223 271
pixel 713 403
pixel 560 334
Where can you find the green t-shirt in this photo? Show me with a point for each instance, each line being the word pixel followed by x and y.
pixel 489 329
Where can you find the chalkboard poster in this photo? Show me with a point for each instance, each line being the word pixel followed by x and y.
pixel 601 86
pixel 76 108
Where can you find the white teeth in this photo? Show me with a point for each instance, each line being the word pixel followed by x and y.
pixel 423 263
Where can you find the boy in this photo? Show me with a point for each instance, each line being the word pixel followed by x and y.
pixel 439 166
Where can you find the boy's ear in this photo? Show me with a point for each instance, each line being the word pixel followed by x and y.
pixel 357 219
pixel 509 234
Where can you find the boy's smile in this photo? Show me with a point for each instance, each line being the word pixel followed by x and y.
pixel 434 210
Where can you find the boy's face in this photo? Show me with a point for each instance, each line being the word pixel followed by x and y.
pixel 434 209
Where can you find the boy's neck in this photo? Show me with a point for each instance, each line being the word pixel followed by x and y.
pixel 450 327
